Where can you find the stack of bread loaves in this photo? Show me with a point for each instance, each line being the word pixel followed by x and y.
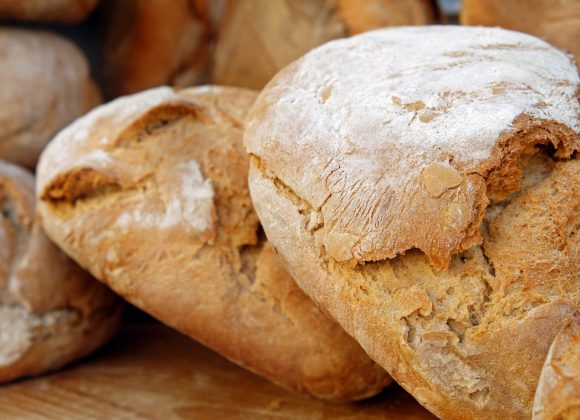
pixel 403 203
pixel 51 311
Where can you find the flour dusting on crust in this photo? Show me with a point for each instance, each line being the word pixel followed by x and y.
pixel 365 117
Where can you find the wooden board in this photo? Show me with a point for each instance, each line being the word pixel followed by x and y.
pixel 150 371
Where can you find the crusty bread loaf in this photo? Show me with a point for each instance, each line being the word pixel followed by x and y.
pixel 258 37
pixel 149 193
pixel 61 11
pixel 555 20
pixel 45 85
pixel 435 208
pixel 51 311
pixel 558 392
pixel 151 43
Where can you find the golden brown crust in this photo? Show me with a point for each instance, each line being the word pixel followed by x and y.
pixel 443 335
pixel 171 165
pixel 467 335
pixel 558 393
pixel 556 21
pixel 258 38
pixel 46 84
pixel 149 44
pixel 51 311
pixel 61 11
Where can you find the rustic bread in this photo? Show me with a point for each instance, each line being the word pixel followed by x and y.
pixel 558 393
pixel 556 21
pixel 45 85
pixel 51 311
pixel 60 11
pixel 257 38
pixel 151 43
pixel 149 193
pixel 435 208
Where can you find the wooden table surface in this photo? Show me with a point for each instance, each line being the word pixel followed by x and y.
pixel 150 371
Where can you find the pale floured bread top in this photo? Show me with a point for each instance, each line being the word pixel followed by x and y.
pixel 404 135
pixel 85 148
pixel 45 85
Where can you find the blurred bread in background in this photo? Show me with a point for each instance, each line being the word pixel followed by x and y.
pixel 259 37
pixel 58 11
pixel 556 21
pixel 51 311
pixel 150 43
pixel 236 42
pixel 45 85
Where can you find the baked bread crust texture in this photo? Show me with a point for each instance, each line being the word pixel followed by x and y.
pixel 149 193
pixel 51 311
pixel 435 208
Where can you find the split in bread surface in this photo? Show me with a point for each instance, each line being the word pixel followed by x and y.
pixel 51 311
pixel 45 85
pixel 436 208
pixel 149 193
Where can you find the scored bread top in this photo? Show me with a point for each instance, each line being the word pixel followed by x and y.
pixel 45 85
pixel 150 194
pixel 404 135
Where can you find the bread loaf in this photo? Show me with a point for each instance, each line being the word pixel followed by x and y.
pixel 434 214
pixel 557 21
pixel 60 11
pixel 558 393
pixel 151 43
pixel 258 37
pixel 149 193
pixel 51 311
pixel 46 84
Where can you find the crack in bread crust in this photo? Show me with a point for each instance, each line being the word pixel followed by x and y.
pixel 443 324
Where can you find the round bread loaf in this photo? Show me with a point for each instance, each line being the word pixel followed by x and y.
pixel 149 193
pixel 257 38
pixel 51 311
pixel 151 43
pixel 61 11
pixel 435 208
pixel 557 21
pixel 46 85
pixel 558 392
